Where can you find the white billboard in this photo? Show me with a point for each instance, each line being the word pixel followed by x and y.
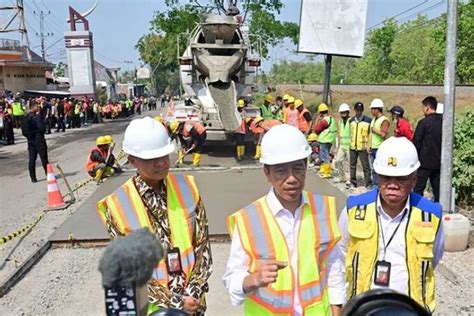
pixel 143 73
pixel 335 27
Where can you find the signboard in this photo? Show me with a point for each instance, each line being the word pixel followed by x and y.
pixel 143 73
pixel 335 27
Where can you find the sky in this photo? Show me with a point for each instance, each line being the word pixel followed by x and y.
pixel 117 25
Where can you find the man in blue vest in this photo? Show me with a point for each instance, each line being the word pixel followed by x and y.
pixel 391 237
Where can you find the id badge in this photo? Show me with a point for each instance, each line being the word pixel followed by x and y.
pixel 382 273
pixel 173 261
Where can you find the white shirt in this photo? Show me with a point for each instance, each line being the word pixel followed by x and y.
pixel 396 249
pixel 238 263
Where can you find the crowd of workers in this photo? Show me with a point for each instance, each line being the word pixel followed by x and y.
pixel 290 253
pixel 341 141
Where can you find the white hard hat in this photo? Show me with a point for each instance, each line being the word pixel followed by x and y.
pixel 284 143
pixel 376 104
pixel 440 108
pixel 147 139
pixel 344 107
pixel 396 157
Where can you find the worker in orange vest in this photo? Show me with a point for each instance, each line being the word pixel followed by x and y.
pixel 260 126
pixel 290 114
pixel 304 117
pixel 192 136
pixel 240 132
pixel 98 156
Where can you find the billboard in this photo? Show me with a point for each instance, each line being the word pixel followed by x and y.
pixel 143 73
pixel 335 27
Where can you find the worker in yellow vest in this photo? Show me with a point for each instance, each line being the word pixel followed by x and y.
pixel 378 133
pixel 266 110
pixel 325 128
pixel 391 237
pixel 284 257
pixel 18 112
pixel 171 207
pixel 360 129
pixel 343 142
pixel 241 131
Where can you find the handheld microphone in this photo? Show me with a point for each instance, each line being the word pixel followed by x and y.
pixel 126 266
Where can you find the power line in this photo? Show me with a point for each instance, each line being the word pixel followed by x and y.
pixel 398 14
pixel 62 28
pixel 434 6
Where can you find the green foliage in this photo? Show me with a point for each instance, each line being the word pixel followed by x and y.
pixel 59 69
pixel 412 52
pixel 463 159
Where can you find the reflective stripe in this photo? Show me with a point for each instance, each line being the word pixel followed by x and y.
pixel 50 177
pixel 312 292
pixel 127 209
pixel 259 239
pixel 283 301
pixel 52 187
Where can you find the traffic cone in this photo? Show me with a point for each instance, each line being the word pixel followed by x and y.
pixel 55 198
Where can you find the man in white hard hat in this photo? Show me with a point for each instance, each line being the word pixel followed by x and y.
pixel 284 255
pixel 378 133
pixel 171 207
pixel 343 142
pixel 391 237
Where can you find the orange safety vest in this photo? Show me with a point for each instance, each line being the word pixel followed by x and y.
pixel 303 124
pixel 91 164
pixel 262 239
pixel 291 116
pixel 188 126
pixel 125 208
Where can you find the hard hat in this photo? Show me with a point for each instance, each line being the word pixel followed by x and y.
pixel 397 110
pixel 159 118
pixel 396 157
pixel 322 107
pixel 312 137
pixel 291 100
pixel 344 107
pixel 269 98
pixel 248 119
pixel 286 97
pixel 298 103
pixel 109 139
pixel 174 126
pixel 145 138
pixel 359 106
pixel 284 143
pixel 258 119
pixel 101 140
pixel 241 103
pixel 376 104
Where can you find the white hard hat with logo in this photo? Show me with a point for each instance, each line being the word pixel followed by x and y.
pixel 284 143
pixel 376 104
pixel 145 138
pixel 344 107
pixel 396 157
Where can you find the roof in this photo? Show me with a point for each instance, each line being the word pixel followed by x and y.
pixel 36 60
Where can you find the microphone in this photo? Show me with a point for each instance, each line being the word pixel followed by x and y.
pixel 126 266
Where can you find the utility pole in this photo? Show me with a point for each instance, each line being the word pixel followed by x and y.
pixel 327 79
pixel 448 114
pixel 42 15
pixel 19 14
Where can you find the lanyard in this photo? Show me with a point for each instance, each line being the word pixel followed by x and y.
pixel 385 245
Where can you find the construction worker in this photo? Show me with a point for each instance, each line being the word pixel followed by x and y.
pixel 285 99
pixel 391 237
pixel 313 144
pixel 290 114
pixel 266 109
pixel 325 127
pixel 284 257
pixel 260 126
pixel 378 133
pixel 97 159
pixel 192 136
pixel 343 142
pixel 304 117
pixel 360 129
pixel 240 132
pixel 277 109
pixel 171 207
pixel 402 125
pixel 17 111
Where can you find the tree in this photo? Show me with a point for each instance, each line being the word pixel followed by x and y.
pixel 59 70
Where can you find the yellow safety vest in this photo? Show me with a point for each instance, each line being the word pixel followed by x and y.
pixel 424 218
pixel 262 239
pixel 125 207
pixel 359 132
pixel 328 135
pixel 17 108
pixel 376 123
pixel 344 134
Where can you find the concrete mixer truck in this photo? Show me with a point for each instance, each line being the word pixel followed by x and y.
pixel 217 68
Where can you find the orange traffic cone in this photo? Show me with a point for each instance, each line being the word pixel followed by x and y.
pixel 55 198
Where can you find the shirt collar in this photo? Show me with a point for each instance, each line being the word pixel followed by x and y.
pixel 275 205
pixel 381 211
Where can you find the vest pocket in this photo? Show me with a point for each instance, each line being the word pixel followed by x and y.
pixel 361 229
pixel 424 237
